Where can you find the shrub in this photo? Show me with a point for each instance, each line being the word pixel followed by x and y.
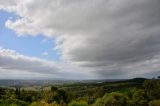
pixel 152 89
pixel 99 102
pixel 112 99
pixel 140 98
pixel 154 103
pixel 75 103
pixel 115 99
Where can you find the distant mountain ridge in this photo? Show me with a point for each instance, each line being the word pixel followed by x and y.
pixel 13 83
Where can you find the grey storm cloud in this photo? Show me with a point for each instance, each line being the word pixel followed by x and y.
pixel 109 37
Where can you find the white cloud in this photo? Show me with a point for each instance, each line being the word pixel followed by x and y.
pixel 10 59
pixel 44 53
pixel 14 65
pixel 44 41
pixel 23 24
pixel 105 36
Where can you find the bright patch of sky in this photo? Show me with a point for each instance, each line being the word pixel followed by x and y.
pixel 27 45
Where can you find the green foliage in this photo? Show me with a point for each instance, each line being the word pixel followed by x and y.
pixel 100 102
pixel 91 100
pixel 61 96
pixel 54 88
pixel 152 89
pixel 75 103
pixel 130 92
pixel 9 102
pixel 113 99
pixel 140 98
pixel 13 105
pixel 34 104
pixel 43 103
pixel 154 103
pixel 123 93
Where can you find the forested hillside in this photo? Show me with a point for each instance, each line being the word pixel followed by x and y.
pixel 134 92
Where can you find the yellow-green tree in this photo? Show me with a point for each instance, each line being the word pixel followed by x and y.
pixel 113 99
pixel 75 103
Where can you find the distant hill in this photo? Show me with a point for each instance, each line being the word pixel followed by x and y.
pixel 20 83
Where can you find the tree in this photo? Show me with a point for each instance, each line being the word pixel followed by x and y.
pixel 75 103
pixel 18 93
pixel 91 100
pixel 116 99
pixel 99 102
pixel 54 88
pixel 152 89
pixel 113 99
pixel 13 105
pixel 34 104
pixel 140 98
pixel 62 96
pixel 154 103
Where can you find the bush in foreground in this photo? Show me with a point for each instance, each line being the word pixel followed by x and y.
pixel 75 103
pixel 112 99
pixel 154 103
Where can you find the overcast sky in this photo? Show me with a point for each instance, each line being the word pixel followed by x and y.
pixel 79 39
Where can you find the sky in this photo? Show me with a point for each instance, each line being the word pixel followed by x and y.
pixel 79 39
